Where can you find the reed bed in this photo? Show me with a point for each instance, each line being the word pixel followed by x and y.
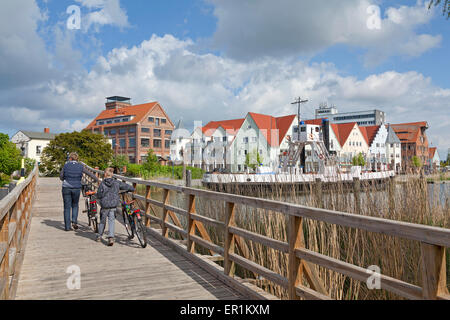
pixel 410 201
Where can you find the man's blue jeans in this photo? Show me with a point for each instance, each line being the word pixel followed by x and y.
pixel 71 197
pixel 111 215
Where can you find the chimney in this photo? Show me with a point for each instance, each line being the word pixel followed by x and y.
pixel 117 103
pixel 47 130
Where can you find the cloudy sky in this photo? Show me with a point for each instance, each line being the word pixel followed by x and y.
pixel 218 59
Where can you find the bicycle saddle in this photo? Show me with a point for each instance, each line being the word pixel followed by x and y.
pixel 90 193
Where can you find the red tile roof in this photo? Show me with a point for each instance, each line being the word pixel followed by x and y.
pixel 342 131
pixel 369 133
pixel 138 111
pixel 432 151
pixel 283 125
pixel 228 125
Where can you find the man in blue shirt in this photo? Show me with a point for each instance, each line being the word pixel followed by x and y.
pixel 71 175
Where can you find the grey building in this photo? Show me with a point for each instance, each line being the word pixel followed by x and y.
pixel 363 118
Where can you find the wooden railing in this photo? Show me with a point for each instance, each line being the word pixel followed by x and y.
pixel 433 241
pixel 15 217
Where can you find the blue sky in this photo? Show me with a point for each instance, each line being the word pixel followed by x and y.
pixel 220 59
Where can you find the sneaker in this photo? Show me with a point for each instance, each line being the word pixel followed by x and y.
pixel 110 242
pixel 98 238
pixel 74 226
pixel 131 237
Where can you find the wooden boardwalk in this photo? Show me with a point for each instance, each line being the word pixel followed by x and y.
pixel 124 271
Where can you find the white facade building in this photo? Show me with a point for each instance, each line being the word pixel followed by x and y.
pixel 31 143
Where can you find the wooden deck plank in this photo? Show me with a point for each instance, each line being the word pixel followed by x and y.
pixel 124 271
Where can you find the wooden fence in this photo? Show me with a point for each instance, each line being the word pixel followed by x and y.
pixel 433 241
pixel 15 218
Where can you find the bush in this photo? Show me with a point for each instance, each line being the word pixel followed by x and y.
pixel 133 170
pixel 4 179
pixel 119 161
pixel 29 165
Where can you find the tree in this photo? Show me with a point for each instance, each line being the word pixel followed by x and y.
pixel 253 159
pixel 359 160
pixel 93 149
pixel 119 161
pixel 152 164
pixel 445 6
pixel 416 162
pixel 10 157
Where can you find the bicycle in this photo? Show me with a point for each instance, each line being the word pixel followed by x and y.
pixel 90 205
pixel 132 219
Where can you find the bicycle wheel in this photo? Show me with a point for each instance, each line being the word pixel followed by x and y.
pixel 140 231
pixel 126 222
pixel 95 224
pixel 87 207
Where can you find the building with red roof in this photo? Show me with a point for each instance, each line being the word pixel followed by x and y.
pixel 414 142
pixel 134 129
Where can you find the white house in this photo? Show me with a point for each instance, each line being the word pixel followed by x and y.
pixel 31 143
pixel 435 160
pixel 393 150
pixel 376 138
pixel 178 141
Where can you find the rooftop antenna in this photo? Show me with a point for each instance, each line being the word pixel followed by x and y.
pixel 299 102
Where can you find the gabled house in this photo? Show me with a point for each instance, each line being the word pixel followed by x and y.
pixel 352 141
pixel 414 142
pixel 376 139
pixel 393 150
pixel 178 141
pixel 135 129
pixel 434 160
pixel 31 144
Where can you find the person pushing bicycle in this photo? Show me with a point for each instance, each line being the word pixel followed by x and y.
pixel 108 196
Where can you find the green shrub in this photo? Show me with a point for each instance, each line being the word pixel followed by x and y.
pixel 133 170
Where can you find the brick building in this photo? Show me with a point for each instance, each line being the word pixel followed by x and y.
pixel 414 142
pixel 135 129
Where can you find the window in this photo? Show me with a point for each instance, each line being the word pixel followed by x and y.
pixel 132 142
pixel 116 120
pixel 245 140
pixel 156 143
pixel 114 143
pixel 145 130
pixel 151 119
pixel 168 132
pixel 303 129
pixel 109 122
pixel 245 152
pixel 224 139
pixel 122 143
pixel 132 129
pixel 163 120
pixel 239 167
pixel 38 150
pixel 378 145
pixel 125 119
pixel 112 131
pixel 157 121
pixel 157 132
pixel 253 139
pixel 105 132
pixel 100 123
pixel 167 144
pixel 122 130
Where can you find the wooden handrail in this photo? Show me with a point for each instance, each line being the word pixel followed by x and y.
pixel 433 240
pixel 15 218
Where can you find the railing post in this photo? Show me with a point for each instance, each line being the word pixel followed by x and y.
pixel 191 224
pixel 165 232
pixel 357 194
pixel 434 277
pixel 295 271
pixel 229 245
pixel 147 205
pixel 318 192
pixel 4 265
pixel 188 178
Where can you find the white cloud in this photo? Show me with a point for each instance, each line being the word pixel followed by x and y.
pixel 248 29
pixel 204 87
pixel 107 12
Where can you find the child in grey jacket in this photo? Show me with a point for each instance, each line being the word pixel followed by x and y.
pixel 108 196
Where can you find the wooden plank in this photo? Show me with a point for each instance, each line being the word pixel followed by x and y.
pixel 175 228
pixel 229 239
pixel 11 231
pixel 434 276
pixel 208 221
pixel 262 271
pixel 313 278
pixel 191 224
pixel 201 229
pixel 295 240
pixel 164 217
pixel 207 244
pixel 309 294
pixel 396 286
pixel 267 241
